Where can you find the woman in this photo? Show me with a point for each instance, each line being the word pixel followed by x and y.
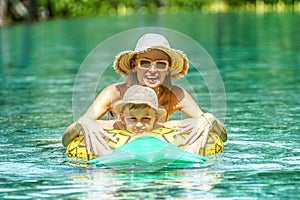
pixel 154 64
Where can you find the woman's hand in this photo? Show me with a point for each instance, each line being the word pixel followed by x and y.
pixel 197 127
pixel 94 136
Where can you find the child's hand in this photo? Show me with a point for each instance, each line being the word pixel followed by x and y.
pixel 93 136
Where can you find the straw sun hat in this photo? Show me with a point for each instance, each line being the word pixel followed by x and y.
pixel 137 94
pixel 151 41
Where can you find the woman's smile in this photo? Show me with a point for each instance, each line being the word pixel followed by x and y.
pixel 151 78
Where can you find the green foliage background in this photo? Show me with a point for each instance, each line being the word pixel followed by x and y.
pixel 72 8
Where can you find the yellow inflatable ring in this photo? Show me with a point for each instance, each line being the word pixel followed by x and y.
pixel 214 144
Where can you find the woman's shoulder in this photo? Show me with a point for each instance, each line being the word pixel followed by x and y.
pixel 178 92
pixel 177 89
pixel 115 90
pixel 116 87
pixel 121 88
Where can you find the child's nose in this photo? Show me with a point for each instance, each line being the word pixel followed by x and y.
pixel 139 125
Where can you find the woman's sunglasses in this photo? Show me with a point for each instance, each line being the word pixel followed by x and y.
pixel 160 65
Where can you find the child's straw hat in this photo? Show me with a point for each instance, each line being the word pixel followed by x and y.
pixel 148 42
pixel 137 94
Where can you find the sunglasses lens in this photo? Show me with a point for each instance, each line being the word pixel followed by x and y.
pixel 161 65
pixel 145 64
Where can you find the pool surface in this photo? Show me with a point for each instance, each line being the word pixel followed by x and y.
pixel 257 56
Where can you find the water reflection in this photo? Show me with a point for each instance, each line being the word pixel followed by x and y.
pixel 32 181
pixel 151 185
pixel 258 58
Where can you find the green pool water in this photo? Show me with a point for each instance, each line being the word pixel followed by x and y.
pixel 257 57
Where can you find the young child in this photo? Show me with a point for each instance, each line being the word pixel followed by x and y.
pixel 138 110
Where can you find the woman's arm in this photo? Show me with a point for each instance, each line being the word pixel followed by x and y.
pixel 103 102
pixel 89 127
pixel 189 107
pixel 198 122
pixel 71 132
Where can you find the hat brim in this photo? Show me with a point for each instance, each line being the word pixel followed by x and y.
pixel 178 61
pixel 120 105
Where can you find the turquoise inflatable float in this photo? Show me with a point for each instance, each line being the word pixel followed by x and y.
pixel 148 151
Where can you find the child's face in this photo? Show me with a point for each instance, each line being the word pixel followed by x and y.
pixel 139 120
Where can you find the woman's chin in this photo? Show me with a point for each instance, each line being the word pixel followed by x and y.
pixel 152 82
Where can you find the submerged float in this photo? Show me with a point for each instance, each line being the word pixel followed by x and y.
pixel 158 147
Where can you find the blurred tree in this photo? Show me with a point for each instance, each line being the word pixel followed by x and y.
pixel 3 12
pixel 30 10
